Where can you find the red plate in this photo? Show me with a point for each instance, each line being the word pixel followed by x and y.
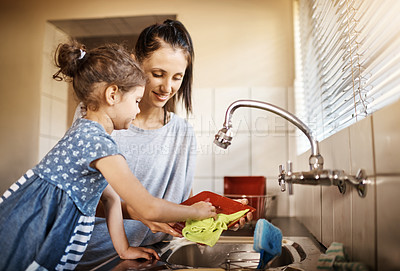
pixel 222 204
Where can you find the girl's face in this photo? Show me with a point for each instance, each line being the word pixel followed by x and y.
pixel 165 70
pixel 127 108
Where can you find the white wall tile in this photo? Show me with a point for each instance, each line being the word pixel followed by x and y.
pixel 388 220
pixel 308 205
pixel 48 42
pixel 363 226
pixel 44 146
pixel 45 115
pixel 342 219
pixel 268 152
pixel 291 102
pixel 202 118
pixel 219 186
pixel 266 122
pixel 53 142
pixel 315 220
pixel 281 200
pixel 327 220
pixel 202 184
pixel 60 90
pixel 235 160
pixel 387 139
pixel 48 70
pixel 273 95
pixel 361 147
pixel 225 97
pixel 58 118
pixel 205 156
pixel 336 208
pixel 336 151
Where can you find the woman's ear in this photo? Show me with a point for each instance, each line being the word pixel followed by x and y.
pixel 134 57
pixel 112 95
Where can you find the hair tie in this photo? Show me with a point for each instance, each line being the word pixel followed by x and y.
pixel 83 53
pixel 169 22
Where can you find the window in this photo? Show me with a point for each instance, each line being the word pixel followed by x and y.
pixel 347 61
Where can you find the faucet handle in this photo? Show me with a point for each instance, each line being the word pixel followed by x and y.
pixel 281 178
pixel 289 167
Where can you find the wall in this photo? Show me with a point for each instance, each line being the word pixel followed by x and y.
pixel 244 49
pixel 368 227
pixel 53 95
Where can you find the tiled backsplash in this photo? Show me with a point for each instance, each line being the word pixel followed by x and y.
pixel 259 145
pixel 367 226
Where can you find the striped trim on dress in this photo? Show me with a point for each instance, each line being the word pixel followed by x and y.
pixel 77 244
pixel 15 186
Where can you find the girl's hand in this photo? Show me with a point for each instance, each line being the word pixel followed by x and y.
pixel 139 253
pixel 204 210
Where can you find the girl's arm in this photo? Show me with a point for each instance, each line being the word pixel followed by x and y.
pixel 113 214
pixel 129 213
pixel 119 176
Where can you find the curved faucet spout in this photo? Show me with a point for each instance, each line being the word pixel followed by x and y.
pixel 223 137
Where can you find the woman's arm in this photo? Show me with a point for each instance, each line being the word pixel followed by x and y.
pixel 119 176
pixel 113 214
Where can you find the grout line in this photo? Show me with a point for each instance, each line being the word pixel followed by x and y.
pixel 53 97
pixel 213 153
pixel 375 192
pixel 251 138
pixel 351 198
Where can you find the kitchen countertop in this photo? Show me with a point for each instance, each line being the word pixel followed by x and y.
pixel 291 229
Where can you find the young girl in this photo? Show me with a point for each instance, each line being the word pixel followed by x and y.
pixel 47 216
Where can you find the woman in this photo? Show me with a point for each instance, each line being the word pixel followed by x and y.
pixel 163 143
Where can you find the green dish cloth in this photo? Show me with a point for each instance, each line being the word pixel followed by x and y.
pixel 335 259
pixel 208 231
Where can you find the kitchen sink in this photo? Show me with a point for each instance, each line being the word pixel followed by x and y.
pixel 234 250
pixel 230 253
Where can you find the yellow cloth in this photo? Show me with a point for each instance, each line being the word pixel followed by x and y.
pixel 208 231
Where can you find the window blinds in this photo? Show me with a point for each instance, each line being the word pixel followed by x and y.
pixel 347 61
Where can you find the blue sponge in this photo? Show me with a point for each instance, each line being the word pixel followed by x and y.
pixel 267 241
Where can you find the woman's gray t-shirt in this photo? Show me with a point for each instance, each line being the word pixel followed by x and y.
pixel 164 162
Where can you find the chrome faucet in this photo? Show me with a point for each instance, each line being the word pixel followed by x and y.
pixel 317 175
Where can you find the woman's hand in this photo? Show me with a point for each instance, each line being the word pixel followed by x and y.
pixel 204 210
pixel 243 220
pixel 130 213
pixel 161 227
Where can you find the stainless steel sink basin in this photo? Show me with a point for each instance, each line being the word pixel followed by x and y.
pixel 231 253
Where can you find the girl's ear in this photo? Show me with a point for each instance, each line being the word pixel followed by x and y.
pixel 133 56
pixel 112 95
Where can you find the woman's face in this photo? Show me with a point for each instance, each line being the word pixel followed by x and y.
pixel 165 70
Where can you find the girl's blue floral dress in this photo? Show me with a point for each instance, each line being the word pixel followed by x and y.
pixel 47 216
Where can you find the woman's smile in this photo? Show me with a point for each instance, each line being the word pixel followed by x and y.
pixel 161 97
